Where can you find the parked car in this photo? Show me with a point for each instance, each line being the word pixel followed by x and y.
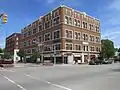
pixel 95 61
pixel 92 62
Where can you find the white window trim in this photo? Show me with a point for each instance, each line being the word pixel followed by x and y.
pixel 79 36
pixel 72 47
pixel 54 45
pixel 56 31
pixel 75 47
pixel 72 34
pixel 46 34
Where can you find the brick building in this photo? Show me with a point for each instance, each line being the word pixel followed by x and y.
pixel 13 45
pixel 61 33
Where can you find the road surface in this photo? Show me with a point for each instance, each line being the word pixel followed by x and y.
pixel 73 77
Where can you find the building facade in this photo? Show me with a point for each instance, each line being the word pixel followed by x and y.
pixel 61 33
pixel 13 45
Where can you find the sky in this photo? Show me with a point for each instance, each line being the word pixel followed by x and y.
pixel 23 12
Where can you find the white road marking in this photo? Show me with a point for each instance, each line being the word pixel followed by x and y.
pixel 7 70
pixel 56 85
pixel 14 82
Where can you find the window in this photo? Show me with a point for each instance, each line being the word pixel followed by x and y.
pixel 68 46
pixel 66 20
pixel 56 47
pixel 77 35
pixel 91 38
pixel 56 34
pixel 40 38
pixel 97 39
pixel 25 43
pixel 77 47
pixel 29 43
pixel 34 30
pixel 75 22
pixel 25 34
pixel 78 23
pixel 47 37
pixel 40 27
pixel 70 21
pixel 69 34
pixel 84 25
pixel 97 49
pixel 97 28
pixel 92 48
pixel 33 41
pixel 29 32
pixel 56 21
pixel 33 50
pixel 84 48
pixel 90 26
pixel 47 48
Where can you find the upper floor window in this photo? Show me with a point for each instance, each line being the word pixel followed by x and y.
pixel 68 20
pixel 92 38
pixel 90 26
pixel 77 47
pixel 56 20
pixel 78 23
pixel 92 48
pixel 77 35
pixel 85 37
pixel 75 22
pixel 47 37
pixel 97 28
pixel 56 34
pixel 29 32
pixel 85 25
pixel 56 46
pixel 34 30
pixel 69 34
pixel 40 27
pixel 69 46
pixel 40 38
pixel 97 39
pixel 47 48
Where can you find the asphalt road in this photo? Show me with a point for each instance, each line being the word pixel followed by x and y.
pixel 73 77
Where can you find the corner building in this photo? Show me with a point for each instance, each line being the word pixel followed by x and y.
pixel 62 33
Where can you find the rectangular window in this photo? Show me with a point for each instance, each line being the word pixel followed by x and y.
pixel 47 37
pixel 66 20
pixel 56 21
pixel 40 38
pixel 56 47
pixel 75 22
pixel 77 35
pixel 78 23
pixel 77 47
pixel 69 34
pixel 34 30
pixel 47 48
pixel 56 34
pixel 29 33
pixel 68 46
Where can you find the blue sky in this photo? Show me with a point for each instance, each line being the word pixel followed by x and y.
pixel 22 12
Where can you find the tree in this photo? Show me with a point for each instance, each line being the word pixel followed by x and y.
pixel 108 50
pixel 1 51
pixel 119 52
pixel 34 57
pixel 21 54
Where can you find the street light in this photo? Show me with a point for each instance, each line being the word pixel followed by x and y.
pixel 4 18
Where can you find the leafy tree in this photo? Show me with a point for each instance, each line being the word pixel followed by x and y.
pixel 6 55
pixel 119 52
pixel 107 49
pixel 21 54
pixel 33 58
pixel 1 51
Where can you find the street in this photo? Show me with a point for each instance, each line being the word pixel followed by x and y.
pixel 72 77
